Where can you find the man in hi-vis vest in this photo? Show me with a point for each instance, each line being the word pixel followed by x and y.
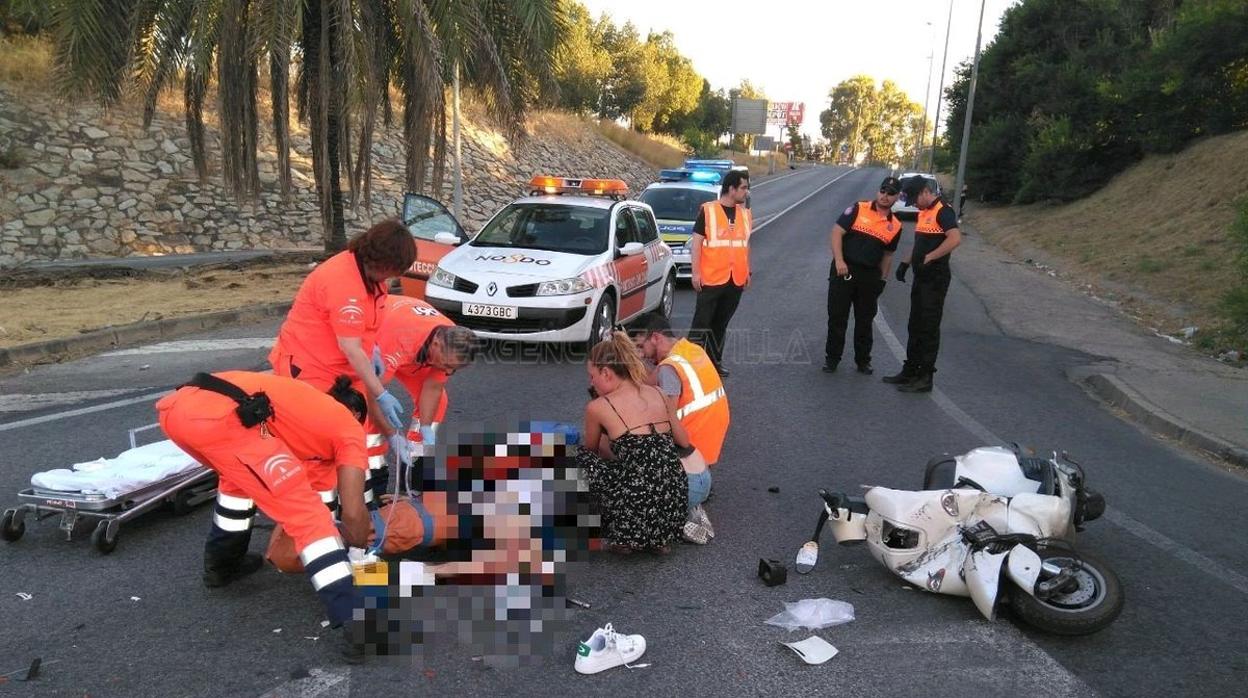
pixel 720 251
pixel 685 375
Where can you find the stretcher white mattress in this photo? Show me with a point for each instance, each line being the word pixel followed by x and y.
pixel 130 470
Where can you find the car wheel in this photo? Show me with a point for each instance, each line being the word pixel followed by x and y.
pixel 668 301
pixel 604 321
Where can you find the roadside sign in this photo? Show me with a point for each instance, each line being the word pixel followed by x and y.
pixel 749 116
pixel 764 143
pixel 785 113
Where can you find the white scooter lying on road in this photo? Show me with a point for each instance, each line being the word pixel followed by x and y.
pixel 991 524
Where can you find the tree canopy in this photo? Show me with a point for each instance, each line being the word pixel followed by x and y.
pixel 879 125
pixel 1072 91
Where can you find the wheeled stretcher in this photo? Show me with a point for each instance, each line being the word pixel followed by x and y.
pixel 113 491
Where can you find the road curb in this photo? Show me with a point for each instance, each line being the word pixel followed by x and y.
pixel 108 338
pixel 1117 393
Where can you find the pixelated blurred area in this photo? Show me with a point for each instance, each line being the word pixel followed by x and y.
pixel 519 515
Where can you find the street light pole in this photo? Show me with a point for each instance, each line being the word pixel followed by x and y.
pixel 940 93
pixel 927 93
pixel 970 108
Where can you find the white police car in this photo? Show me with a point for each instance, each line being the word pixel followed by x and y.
pixel 676 199
pixel 564 264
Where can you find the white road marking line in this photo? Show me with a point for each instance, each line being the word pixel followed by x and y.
pixel 192 345
pixel 777 179
pixel 1133 526
pixel 771 219
pixel 21 402
pixel 150 397
pixel 320 683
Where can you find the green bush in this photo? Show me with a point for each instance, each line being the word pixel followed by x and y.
pixel 1235 303
pixel 701 143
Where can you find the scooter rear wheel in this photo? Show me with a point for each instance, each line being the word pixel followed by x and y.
pixel 1088 607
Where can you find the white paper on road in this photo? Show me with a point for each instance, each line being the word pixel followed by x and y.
pixel 812 650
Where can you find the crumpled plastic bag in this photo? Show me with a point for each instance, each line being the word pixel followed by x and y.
pixel 813 614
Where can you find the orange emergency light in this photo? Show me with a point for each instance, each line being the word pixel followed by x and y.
pixel 547 184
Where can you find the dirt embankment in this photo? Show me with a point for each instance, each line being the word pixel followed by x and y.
pixel 1155 240
pixel 46 305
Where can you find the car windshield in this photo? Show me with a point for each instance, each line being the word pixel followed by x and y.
pixel 677 203
pixel 552 227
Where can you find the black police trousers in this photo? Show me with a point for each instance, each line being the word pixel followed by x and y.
pixel 713 309
pixel 927 308
pixel 862 293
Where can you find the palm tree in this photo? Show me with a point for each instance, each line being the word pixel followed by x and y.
pixel 350 53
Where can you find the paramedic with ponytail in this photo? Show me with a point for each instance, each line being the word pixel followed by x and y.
pixel 274 442
pixel 421 348
pixel 332 326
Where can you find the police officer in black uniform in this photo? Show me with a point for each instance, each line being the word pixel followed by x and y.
pixel 863 242
pixel 936 234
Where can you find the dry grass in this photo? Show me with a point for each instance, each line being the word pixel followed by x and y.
pixel 76 305
pixel 25 62
pixel 1156 237
pixel 660 151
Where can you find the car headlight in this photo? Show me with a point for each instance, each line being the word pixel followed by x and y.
pixel 562 287
pixel 443 278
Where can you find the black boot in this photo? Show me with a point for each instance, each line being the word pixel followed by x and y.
pixel 922 383
pixel 221 574
pixel 908 373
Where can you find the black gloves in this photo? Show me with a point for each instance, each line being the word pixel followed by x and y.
pixel 901 271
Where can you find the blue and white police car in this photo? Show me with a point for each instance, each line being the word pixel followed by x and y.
pixel 564 264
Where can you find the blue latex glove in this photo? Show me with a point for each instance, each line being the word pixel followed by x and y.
pixel 391 408
pixel 379 528
pixel 400 448
pixel 379 366
pixel 428 435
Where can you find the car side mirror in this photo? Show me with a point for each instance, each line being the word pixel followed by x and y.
pixel 450 239
pixel 632 248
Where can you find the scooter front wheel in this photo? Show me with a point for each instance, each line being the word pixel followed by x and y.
pixel 1088 604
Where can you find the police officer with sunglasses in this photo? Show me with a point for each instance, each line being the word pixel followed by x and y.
pixel 863 242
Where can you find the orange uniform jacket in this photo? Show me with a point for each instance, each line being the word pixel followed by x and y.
pixel 315 428
pixel 332 302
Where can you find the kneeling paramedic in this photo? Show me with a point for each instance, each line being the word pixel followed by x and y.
pixel 274 442
pixel 421 348
pixel 686 376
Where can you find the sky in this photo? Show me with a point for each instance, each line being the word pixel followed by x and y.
pixel 799 50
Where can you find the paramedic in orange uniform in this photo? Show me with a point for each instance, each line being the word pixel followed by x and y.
pixel 274 442
pixel 332 325
pixel 421 348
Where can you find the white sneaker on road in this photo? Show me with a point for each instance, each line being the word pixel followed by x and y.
pixel 606 649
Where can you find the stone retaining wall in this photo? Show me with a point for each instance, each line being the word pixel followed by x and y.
pixel 92 183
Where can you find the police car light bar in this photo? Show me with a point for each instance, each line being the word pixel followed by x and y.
pixel 681 175
pixel 547 184
pixel 709 164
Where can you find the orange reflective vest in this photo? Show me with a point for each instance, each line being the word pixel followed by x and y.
pixel 879 225
pixel 725 253
pixel 926 223
pixel 702 407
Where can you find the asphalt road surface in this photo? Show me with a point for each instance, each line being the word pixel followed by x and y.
pixel 138 622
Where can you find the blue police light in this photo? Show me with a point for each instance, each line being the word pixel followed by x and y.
pixel 705 176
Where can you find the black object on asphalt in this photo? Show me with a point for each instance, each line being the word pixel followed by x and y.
pixel 773 489
pixel 772 572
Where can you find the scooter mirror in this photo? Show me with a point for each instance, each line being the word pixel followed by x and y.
pixel 807 557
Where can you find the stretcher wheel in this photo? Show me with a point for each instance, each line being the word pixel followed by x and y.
pixel 12 528
pixel 182 502
pixel 103 541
